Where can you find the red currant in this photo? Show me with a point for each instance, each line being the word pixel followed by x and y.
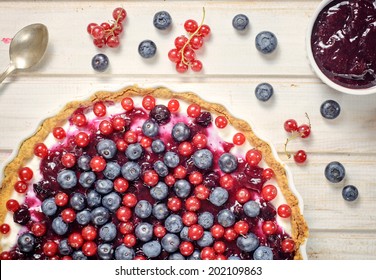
pixel 89 233
pixel 105 127
pixel 61 199
pixel 288 246
pixel 174 204
pixel 148 102
pixel 12 205
pixel 180 42
pixel 180 172
pixel 269 227
pixel 20 187
pixel 59 133
pixel 38 229
pixel 113 41
pixel 40 150
pixel 226 181
pixel 159 231
pixel 169 180
pixel 291 125
pixel 121 145
pixel 105 25
pixel 127 104
pixel 181 67
pixel 202 192
pixel 220 257
pixel 123 214
pixel 194 110
pixel 98 163
pixel 68 215
pixel 185 149
pixel 217 231
pixel 90 27
pixel 195 178
pixel 50 248
pixel 238 139
pixel 121 185
pixel 99 109
pixel 89 248
pixel 243 195
pixel 192 203
pixel 126 227
pixel 173 105
pixel 196 42
pixel 284 211
pixel 151 178
pixel 207 253
pixel 190 26
pixel 253 157
pixel 75 240
pixel 200 140
pixel 189 54
pixel 97 32
pixel 300 156
pixel 119 14
pixel 269 192
pixel 230 234
pixel 221 122
pixel 118 123
pixel 130 137
pixel 25 174
pixel 189 218
pixel 68 160
pixel 4 228
pixel 204 30
pixel 117 28
pixel 129 200
pixel 5 256
pixel 186 248
pixel 99 43
pixel 174 55
pixel 195 232
pixel 219 247
pixel 241 227
pixel 139 258
pixel 304 130
pixel 196 65
pixel 82 139
pixel 79 120
pixel 267 173
pixel 129 240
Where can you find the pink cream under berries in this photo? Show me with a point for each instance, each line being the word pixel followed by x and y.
pixel 251 180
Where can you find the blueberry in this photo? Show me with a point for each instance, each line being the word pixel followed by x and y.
pixel 176 257
pixel 180 132
pixel 160 211
pixel 93 199
pixel 182 188
pixel 184 234
pixel 111 201
pixel 150 128
pixel 79 256
pixel 87 179
pixel 108 232
pixel 59 226
pixel 335 172
pixel 100 216
pixel 233 258
pixel 170 242
pixel 228 162
pixel 330 109
pixel 206 240
pixel 247 243
pixel 264 91
pixel 106 148
pixel 204 119
pixel 143 209
pixel 122 252
pixel 77 201
pixel 266 42
pixel 196 255
pixel 226 218
pixel 83 217
pixel 157 146
pixel 83 162
pixel 203 159
pixel 160 114
pixel 206 220
pixel 251 209
pixel 49 207
pixel 105 251
pixel 67 179
pixel 112 170
pixel 218 196
pixel 147 49
pixel 104 186
pixel 64 248
pixel 134 151
pixel 173 223
pixel 162 20
pixel 263 253
pixel 131 171
pixel 152 249
pixel 144 231
pixel 26 242
pixel 171 159
pixel 100 62
pixel 159 192
pixel 240 22
pixel 350 193
pixel 160 168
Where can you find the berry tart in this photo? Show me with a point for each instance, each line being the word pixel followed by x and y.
pixel 148 174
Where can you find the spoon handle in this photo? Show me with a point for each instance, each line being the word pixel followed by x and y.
pixel 9 70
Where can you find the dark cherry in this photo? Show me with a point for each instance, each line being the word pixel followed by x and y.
pixel 22 216
pixel 268 212
pixel 204 119
pixel 160 114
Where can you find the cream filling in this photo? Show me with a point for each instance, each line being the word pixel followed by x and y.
pixel 226 134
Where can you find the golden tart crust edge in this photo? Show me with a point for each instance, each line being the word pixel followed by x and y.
pixel 26 149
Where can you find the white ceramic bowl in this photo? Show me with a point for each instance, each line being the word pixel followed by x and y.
pixel 313 63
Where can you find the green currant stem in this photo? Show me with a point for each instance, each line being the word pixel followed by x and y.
pixel 190 38
pixel 115 22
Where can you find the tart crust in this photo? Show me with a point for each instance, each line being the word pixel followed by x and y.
pixel 25 152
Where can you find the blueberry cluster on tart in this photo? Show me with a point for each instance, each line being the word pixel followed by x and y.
pixel 148 174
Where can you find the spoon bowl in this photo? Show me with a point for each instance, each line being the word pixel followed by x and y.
pixel 27 48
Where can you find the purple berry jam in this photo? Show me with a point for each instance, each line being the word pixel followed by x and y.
pixel 343 43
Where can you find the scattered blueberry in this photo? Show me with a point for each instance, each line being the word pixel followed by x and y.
pixel 108 232
pixel 100 62
pixel 147 49
pixel 240 22
pixel 218 196
pixel 263 253
pixel 83 162
pixel 228 163
pixel 93 199
pixel 171 159
pixel 330 109
pixel 335 172
pixel 157 146
pixel 79 256
pixel 67 179
pixel 182 188
pixel 160 168
pixel 64 248
pixel 26 242
pixel 134 151
pixel 170 242
pixel 144 231
pixel 143 209
pixel 264 91
pixel 49 207
pixel 150 128
pixel 180 132
pixel 105 251
pixel 160 211
pixel 350 193
pixel 266 42
pixel 247 243
pixel 83 217
pixel 106 148
pixel 152 249
pixel 59 226
pixel 162 20
pixel 111 201
pixel 206 220
pixel 159 191
pixel 112 170
pixel 122 252
pixel 77 201
pixel 176 257
pixel 160 114
pixel 206 240
pixel 100 216
pixel 251 209
pixel 173 223
pixel 203 159
pixel 226 218
pixel 131 171
pixel 87 179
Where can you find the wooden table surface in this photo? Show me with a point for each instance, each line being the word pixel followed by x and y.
pixel 232 69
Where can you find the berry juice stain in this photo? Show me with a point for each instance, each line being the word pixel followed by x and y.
pixel 343 43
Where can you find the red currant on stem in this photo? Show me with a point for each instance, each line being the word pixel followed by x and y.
pixel 291 125
pixel 190 26
pixel 300 156
pixel 302 131
pixel 196 65
pixel 174 55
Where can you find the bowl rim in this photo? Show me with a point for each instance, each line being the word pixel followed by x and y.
pixel 316 69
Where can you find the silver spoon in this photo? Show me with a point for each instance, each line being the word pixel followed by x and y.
pixel 27 48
